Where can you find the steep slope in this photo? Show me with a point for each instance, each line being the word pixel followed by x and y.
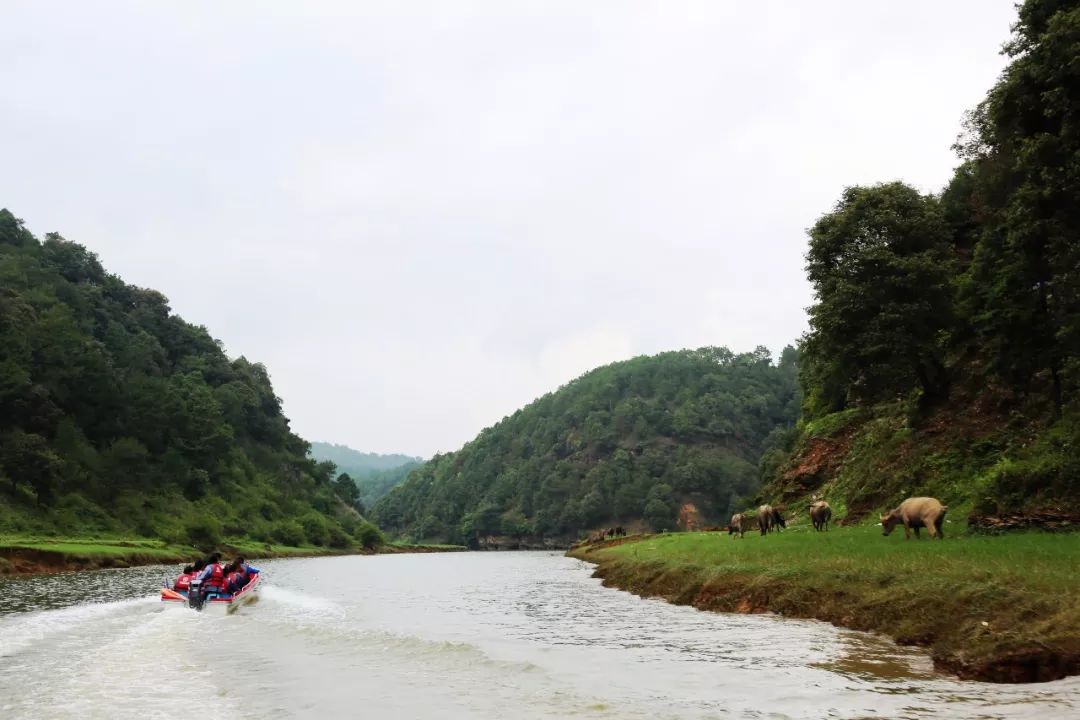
pixel 943 356
pixel 117 416
pixel 643 441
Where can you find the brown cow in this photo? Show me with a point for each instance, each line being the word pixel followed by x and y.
pixel 916 512
pixel 736 525
pixel 820 512
pixel 765 515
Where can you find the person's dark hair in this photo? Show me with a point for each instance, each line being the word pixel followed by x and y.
pixel 188 570
pixel 232 567
pixel 214 557
pixel 199 565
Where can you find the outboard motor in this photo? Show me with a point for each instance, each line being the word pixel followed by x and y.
pixel 196 598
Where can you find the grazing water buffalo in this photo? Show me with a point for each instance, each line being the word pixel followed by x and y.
pixel 764 518
pixel 820 512
pixel 916 512
pixel 736 525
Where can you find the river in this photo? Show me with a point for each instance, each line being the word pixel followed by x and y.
pixel 447 636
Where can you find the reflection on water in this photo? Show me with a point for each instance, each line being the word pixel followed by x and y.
pixel 867 657
pixel 469 635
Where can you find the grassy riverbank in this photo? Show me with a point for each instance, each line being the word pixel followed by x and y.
pixel 32 555
pixel 998 608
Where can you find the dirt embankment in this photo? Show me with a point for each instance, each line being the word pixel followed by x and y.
pixel 413 549
pixel 819 461
pixel 33 561
pixel 955 649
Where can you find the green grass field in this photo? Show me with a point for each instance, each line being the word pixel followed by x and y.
pixel 45 554
pixel 993 607
pixel 32 554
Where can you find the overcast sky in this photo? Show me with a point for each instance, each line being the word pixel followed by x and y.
pixel 421 216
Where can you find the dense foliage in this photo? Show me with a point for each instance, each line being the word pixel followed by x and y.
pixel 631 441
pixel 936 313
pixel 118 416
pixel 374 474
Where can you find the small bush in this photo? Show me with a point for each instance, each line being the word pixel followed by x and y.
pixel 73 513
pixel 288 532
pixel 832 423
pixel 339 538
pixel 368 535
pixel 204 533
pixel 315 529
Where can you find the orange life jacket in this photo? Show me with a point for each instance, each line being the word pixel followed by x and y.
pixel 216 578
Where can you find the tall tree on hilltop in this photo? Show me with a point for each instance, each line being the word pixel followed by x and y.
pixel 880 267
pixel 1023 289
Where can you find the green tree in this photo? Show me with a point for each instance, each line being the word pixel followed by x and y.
pixel 1023 289
pixel 27 458
pixel 592 451
pixel 118 415
pixel 659 515
pixel 880 268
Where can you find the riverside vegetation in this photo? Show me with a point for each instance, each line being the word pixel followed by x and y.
pixel 118 420
pixel 943 356
pixel 943 359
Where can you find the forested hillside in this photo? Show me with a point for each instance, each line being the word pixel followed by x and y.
pixel 117 416
pixel 631 442
pixel 374 474
pixel 944 343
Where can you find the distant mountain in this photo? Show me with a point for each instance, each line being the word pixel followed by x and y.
pixel 350 461
pixel 374 474
pixel 663 441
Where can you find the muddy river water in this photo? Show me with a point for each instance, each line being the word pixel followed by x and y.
pixel 461 635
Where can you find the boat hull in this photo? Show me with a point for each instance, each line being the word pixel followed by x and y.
pixel 218 606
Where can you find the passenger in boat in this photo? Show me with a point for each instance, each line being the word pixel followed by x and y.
pixel 184 581
pixel 234 579
pixel 195 571
pixel 213 576
pixel 238 574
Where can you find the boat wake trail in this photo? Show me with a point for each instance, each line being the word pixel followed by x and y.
pixel 32 630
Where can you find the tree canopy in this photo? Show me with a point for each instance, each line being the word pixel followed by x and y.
pixel 626 442
pixel 117 415
pixel 962 309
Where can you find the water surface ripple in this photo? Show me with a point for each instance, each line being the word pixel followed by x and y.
pixel 463 635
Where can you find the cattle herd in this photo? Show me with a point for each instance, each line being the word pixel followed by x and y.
pixel 768 519
pixel 914 514
pixel 611 532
